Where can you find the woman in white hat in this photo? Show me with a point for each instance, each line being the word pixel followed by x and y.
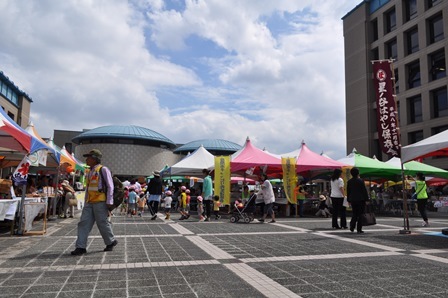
pixel 69 195
pixel 323 208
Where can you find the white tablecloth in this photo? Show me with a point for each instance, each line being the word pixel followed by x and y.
pixel 8 208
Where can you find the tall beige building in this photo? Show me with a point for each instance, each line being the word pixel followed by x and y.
pixel 414 34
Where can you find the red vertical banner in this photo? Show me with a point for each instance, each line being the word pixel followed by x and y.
pixel 387 114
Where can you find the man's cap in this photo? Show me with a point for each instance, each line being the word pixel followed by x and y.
pixel 156 173
pixel 95 153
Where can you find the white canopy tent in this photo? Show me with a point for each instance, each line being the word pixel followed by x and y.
pixel 193 164
pixel 435 145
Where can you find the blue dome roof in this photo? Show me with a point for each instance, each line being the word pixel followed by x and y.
pixel 209 144
pixel 129 132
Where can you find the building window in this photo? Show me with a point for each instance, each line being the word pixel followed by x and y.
pixel 435 26
pixel 439 102
pixel 375 55
pixel 431 3
pixel 397 81
pixel 374 28
pixel 439 129
pixel 411 9
pixel 411 41
pixel 8 93
pixel 413 71
pixel 391 49
pixel 415 109
pixel 437 69
pixel 391 20
pixel 11 115
pixel 415 136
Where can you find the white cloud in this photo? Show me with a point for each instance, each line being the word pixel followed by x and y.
pixel 94 63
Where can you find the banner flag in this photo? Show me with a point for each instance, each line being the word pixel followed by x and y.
pixel 387 114
pixel 222 178
pixel 42 157
pixel 250 171
pixel 38 157
pixel 289 178
pixel 20 175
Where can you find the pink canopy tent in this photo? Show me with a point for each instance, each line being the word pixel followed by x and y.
pixel 308 160
pixel 251 157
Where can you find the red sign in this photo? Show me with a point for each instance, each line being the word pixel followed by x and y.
pixel 387 114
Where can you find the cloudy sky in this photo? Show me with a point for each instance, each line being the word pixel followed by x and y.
pixel 272 71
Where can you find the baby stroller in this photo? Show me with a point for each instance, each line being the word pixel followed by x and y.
pixel 244 212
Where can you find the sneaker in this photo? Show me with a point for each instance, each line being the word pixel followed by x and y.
pixel 261 220
pixel 110 247
pixel 78 251
pixel 218 217
pixel 154 217
pixel 272 221
pixel 425 224
pixel 207 219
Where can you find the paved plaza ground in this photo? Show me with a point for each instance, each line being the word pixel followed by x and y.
pixel 294 257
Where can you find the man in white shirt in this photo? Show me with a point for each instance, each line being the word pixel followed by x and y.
pixel 269 198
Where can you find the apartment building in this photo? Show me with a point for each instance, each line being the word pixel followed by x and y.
pixel 414 34
pixel 14 101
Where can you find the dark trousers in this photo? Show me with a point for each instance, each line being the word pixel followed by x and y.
pixel 421 205
pixel 153 207
pixel 338 210
pixel 300 202
pixel 358 209
pixel 208 207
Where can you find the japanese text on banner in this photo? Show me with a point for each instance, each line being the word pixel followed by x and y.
pixel 222 178
pixel 387 114
pixel 289 178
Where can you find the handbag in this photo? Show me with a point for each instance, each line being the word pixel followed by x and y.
pixel 345 203
pixel 72 202
pixel 368 218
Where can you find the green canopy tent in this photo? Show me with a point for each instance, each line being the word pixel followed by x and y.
pixel 370 167
pixel 413 167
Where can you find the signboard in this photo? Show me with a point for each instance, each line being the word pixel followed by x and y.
pixel 387 114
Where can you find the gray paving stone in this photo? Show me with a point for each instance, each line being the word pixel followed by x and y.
pixel 334 273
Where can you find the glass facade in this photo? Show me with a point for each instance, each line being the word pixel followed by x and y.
pixel 8 93
pixel 377 4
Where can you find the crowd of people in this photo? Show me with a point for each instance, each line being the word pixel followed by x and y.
pixel 99 203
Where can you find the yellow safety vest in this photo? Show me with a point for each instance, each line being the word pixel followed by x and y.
pixel 420 189
pixel 95 195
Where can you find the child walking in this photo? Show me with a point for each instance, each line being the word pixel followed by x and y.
pixel 141 204
pixel 168 200
pixel 132 202
pixel 216 205
pixel 200 208
pixel 183 203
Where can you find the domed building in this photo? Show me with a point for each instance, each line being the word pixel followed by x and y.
pixel 128 150
pixel 214 146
